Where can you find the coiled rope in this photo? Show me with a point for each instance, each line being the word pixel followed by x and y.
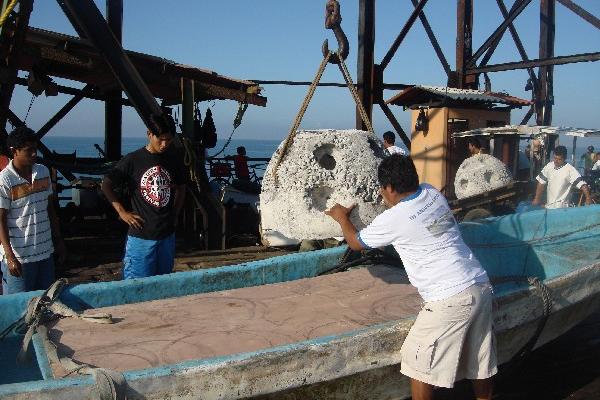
pixel 109 385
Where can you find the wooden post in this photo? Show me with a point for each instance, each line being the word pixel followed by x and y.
pixel 464 35
pixel 366 51
pixel 113 110
pixel 545 95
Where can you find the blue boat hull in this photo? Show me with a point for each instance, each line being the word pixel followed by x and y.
pixel 559 247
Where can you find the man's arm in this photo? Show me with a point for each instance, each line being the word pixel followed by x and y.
pixel 14 266
pixel 57 240
pixel 341 215
pixel 130 218
pixel 179 200
pixel 539 191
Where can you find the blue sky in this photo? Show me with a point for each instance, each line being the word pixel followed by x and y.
pixel 271 40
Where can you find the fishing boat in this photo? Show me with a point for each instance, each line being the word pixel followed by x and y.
pixel 280 328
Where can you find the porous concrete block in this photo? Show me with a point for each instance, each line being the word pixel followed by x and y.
pixel 480 173
pixel 321 168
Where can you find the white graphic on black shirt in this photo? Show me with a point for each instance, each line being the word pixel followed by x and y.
pixel 155 186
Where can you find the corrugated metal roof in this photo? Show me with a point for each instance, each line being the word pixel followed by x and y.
pixel 420 94
pixel 528 131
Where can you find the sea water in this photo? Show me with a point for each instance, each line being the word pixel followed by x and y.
pixel 84 147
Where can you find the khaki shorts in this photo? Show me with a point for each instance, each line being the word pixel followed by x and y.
pixel 452 339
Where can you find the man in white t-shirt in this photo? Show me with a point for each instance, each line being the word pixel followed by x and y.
pixel 388 143
pixel 452 337
pixel 596 166
pixel 558 177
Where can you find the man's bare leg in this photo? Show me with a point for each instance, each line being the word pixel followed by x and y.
pixel 421 390
pixel 483 388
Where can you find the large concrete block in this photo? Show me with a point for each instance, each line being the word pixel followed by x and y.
pixel 480 173
pixel 321 168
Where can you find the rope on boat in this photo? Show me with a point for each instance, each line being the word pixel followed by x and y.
pixel 45 308
pixel 109 385
pixel 370 257
pixel 544 292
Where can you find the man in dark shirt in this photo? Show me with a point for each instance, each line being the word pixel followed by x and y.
pixel 155 177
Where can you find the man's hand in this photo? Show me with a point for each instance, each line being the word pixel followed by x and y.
pixel 14 266
pixel 132 219
pixel 536 202
pixel 61 251
pixel 340 213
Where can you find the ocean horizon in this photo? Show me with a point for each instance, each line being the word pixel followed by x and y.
pixel 83 146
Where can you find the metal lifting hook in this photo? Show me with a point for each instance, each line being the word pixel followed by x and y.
pixel 333 18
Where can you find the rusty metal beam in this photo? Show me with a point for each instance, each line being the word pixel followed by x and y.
pixel 405 29
pixel 64 111
pixel 527 116
pixel 540 62
pixel 581 12
pixel 496 42
pixel 464 40
pixel 545 96
pixel 433 40
pixel 519 44
pixel 517 9
pixel 390 116
pixel 366 60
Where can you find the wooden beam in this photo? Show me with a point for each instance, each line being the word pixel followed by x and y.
pixel 14 38
pixel 113 110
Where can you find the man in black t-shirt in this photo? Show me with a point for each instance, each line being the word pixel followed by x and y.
pixel 155 176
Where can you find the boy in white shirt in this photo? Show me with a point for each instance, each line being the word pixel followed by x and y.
pixel 388 143
pixel 452 338
pixel 558 177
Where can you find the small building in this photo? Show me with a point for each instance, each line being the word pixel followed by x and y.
pixel 438 112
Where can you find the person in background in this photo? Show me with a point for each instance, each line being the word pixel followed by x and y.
pixel 557 178
pixel 596 166
pixel 452 337
pixel 474 146
pixel 388 143
pixel 240 163
pixel 29 226
pixel 156 179
pixel 588 160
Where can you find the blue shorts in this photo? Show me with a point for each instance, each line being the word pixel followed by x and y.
pixel 36 275
pixel 148 257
